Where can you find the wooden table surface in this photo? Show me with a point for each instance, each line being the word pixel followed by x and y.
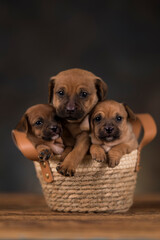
pixel 28 217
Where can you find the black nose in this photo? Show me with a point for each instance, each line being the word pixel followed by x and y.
pixel 109 129
pixel 70 107
pixel 70 110
pixel 54 128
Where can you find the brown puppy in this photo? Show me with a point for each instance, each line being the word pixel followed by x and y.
pixel 43 130
pixel 111 132
pixel 74 93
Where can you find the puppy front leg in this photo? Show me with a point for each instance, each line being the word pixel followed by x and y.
pixel 70 163
pixel 66 151
pixel 44 152
pixel 115 154
pixel 97 153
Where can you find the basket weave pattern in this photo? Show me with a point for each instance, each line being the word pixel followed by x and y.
pixel 94 188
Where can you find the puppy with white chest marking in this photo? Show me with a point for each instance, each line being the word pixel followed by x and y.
pixel 74 93
pixel 43 129
pixel 111 133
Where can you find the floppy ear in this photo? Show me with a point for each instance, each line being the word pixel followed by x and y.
pixel 22 126
pixel 84 126
pixel 50 90
pixel 91 120
pixel 102 89
pixel 131 114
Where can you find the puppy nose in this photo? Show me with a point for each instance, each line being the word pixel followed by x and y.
pixel 109 129
pixel 70 109
pixel 54 128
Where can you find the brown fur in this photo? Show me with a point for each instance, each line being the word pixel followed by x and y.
pixel 73 107
pixel 45 136
pixel 110 135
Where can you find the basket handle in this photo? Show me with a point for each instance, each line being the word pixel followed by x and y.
pixel 28 150
pixel 146 121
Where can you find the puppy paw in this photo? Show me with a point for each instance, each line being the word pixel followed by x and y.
pixel 44 155
pixel 98 154
pixel 65 170
pixel 113 159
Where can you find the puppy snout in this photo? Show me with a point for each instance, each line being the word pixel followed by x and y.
pixel 53 128
pixel 109 129
pixel 70 108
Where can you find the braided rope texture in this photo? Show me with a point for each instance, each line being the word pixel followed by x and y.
pixel 94 188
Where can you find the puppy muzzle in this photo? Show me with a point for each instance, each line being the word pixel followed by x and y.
pixel 109 133
pixel 52 133
pixel 71 113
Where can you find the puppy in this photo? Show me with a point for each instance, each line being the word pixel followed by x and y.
pixel 74 93
pixel 43 129
pixel 111 132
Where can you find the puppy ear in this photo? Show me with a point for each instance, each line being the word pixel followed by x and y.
pixel 84 126
pixel 91 120
pixel 102 89
pixel 91 124
pixel 22 126
pixel 131 114
pixel 50 90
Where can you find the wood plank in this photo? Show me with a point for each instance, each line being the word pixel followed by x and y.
pixel 27 216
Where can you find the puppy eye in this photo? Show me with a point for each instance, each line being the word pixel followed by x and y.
pixel 61 93
pixel 118 118
pixel 98 118
pixel 83 94
pixel 38 123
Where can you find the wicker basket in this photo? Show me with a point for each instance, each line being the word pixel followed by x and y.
pixel 95 187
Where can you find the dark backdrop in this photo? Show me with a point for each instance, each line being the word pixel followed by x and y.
pixel 119 40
